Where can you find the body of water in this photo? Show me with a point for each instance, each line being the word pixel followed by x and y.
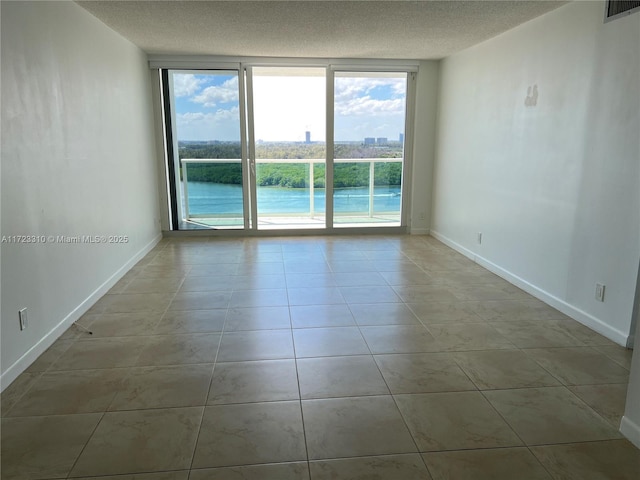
pixel 215 198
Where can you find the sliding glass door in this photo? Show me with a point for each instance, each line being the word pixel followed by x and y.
pixel 250 150
pixel 369 131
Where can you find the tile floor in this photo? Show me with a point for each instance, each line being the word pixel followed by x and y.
pixel 390 358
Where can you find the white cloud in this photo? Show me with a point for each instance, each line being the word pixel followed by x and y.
pixel 220 125
pixel 185 84
pixel 216 94
pixel 354 96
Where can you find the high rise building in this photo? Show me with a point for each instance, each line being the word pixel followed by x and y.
pixel 307 137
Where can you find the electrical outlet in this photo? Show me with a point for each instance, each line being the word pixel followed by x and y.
pixel 22 315
pixel 600 292
pixel 480 237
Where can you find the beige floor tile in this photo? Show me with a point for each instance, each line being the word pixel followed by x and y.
pixel 453 421
pixel 255 345
pixel 12 394
pixel 424 293
pixel 123 324
pixel 175 475
pixel 487 464
pixel 614 459
pixel 367 295
pixel 69 392
pixel 136 302
pixel 500 369
pixel 259 298
pixel 355 426
pixel 191 321
pixel 537 333
pixel 257 318
pixel 409 275
pixel 221 269
pixel 608 400
pixel 308 280
pixel 359 279
pixel 49 356
pixel 43 447
pixel 579 365
pixel 352 266
pixel 260 282
pixel 383 314
pixel 383 467
pixel 470 336
pixel 400 339
pixel 261 268
pixel 154 285
pixel 211 283
pixel 517 310
pixel 422 373
pixel 446 312
pixel 585 334
pixel 257 381
pixel 482 292
pixel 550 415
pixel 305 264
pixel 180 349
pixel 340 377
pixel 315 296
pixel 330 341
pixel 310 316
pixel 164 387
pixel 274 471
pixel 101 353
pixel 249 434
pixel 200 300
pixel 141 441
pixel 620 355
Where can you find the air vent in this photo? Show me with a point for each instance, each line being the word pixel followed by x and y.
pixel 620 8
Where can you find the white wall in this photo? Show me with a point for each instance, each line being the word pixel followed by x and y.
pixel 78 158
pixel 630 425
pixel 552 187
pixel 424 146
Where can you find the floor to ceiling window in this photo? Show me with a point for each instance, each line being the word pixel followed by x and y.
pixel 272 147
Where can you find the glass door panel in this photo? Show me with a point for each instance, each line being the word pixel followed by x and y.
pixel 369 128
pixel 207 148
pixel 289 124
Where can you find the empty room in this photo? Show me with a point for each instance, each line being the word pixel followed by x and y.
pixel 312 240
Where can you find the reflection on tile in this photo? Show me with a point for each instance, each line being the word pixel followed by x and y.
pixel 260 318
pixel 356 426
pixel 471 336
pixel 315 296
pixel 274 471
pixel 579 365
pixel 400 339
pixel 383 314
pixel 200 300
pixel 258 381
pixel 164 387
pixel 453 421
pixel 549 415
pixel 72 391
pixel 496 369
pixel 608 400
pixel 374 294
pixel 617 459
pixel 44 447
pixel 422 373
pixel 386 467
pixel 259 298
pixel 166 436
pixel 250 433
pixel 321 316
pixel 255 345
pixel 180 349
pixel 322 342
pixel 340 377
pixel 424 293
pixel 487 464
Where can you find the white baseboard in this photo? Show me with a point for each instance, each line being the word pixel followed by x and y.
pixel 11 373
pixel 630 430
pixel 577 314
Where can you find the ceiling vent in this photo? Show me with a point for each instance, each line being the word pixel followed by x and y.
pixel 620 8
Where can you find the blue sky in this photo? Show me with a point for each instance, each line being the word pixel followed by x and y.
pixel 207 106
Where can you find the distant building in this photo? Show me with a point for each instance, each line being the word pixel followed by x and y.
pixel 369 141
pixel 307 137
pixel 382 141
pixel 401 138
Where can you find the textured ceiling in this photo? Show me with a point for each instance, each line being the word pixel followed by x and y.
pixel 331 29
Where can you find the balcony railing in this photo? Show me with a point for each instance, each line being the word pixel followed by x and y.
pixel 311 162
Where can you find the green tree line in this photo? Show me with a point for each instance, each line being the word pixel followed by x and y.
pixel 293 175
